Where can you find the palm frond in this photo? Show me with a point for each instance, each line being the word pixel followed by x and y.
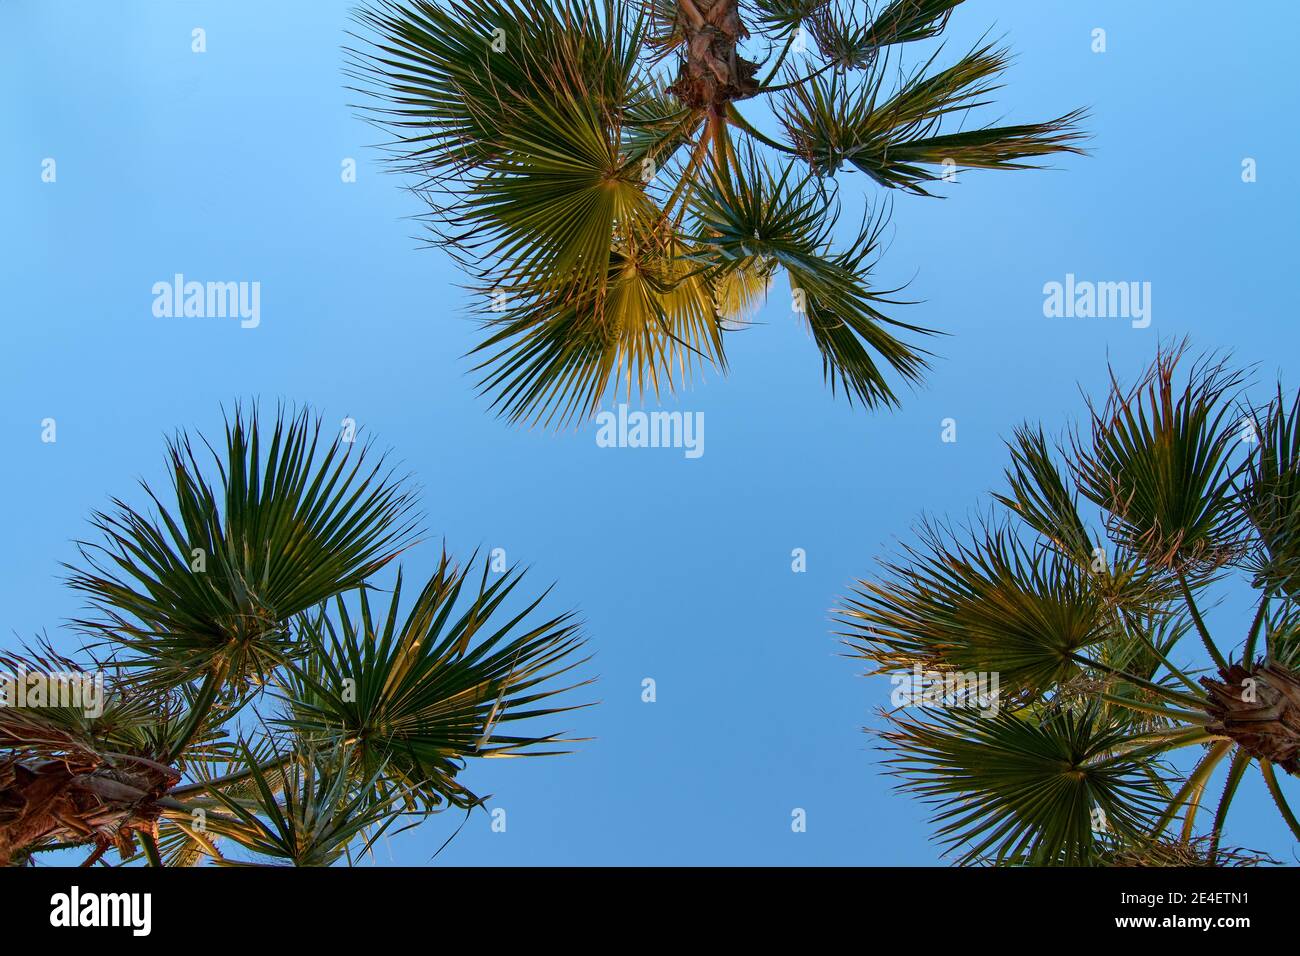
pixel 419 696
pixel 992 605
pixel 897 139
pixel 1010 789
pixel 90 715
pixel 904 21
pixel 446 78
pixel 1040 496
pixel 213 580
pixel 784 16
pixel 1159 459
pixel 314 819
pixel 548 144
pixel 850 36
pixel 553 356
pixel 754 218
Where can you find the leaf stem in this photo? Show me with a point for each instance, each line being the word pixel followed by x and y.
pixel 91 860
pixel 202 705
pixel 721 146
pixel 1191 717
pixel 1240 760
pixel 150 849
pixel 1270 778
pixel 799 82
pixel 1200 623
pixel 1176 671
pixel 1194 782
pixel 781 59
pixel 1165 692
pixel 1252 638
pixel 191 789
pixel 736 118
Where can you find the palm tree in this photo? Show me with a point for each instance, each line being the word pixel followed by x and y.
pixel 1087 625
pixel 600 170
pixel 258 701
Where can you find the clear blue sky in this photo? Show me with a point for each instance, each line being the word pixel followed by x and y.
pixel 226 166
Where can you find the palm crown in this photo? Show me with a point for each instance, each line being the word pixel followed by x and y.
pixel 258 704
pixel 1086 625
pixel 619 215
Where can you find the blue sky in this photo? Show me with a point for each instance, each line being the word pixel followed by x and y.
pixel 226 165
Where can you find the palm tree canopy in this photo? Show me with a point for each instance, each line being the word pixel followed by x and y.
pixel 1086 622
pixel 258 704
pixel 617 215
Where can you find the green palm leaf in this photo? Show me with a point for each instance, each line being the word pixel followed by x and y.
pixel 446 77
pixel 239 721
pixel 1012 789
pixel 269 530
pixel 417 697
pixel 552 357
pixel 752 218
pixel 904 21
pixel 1160 462
pixel 1094 631
pixel 995 605
pixel 784 16
pixel 896 138
pixel 313 819
pixel 1041 497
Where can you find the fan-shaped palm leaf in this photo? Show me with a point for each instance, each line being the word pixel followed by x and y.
pixel 215 611
pixel 1160 463
pixel 894 137
pixel 1012 789
pixel 754 218
pixel 312 819
pixel 992 606
pixel 213 580
pixel 419 696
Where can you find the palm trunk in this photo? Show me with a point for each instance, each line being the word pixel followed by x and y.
pixel 55 801
pixel 1260 710
pixel 712 72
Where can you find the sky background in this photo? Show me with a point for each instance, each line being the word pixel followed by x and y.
pixel 226 166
